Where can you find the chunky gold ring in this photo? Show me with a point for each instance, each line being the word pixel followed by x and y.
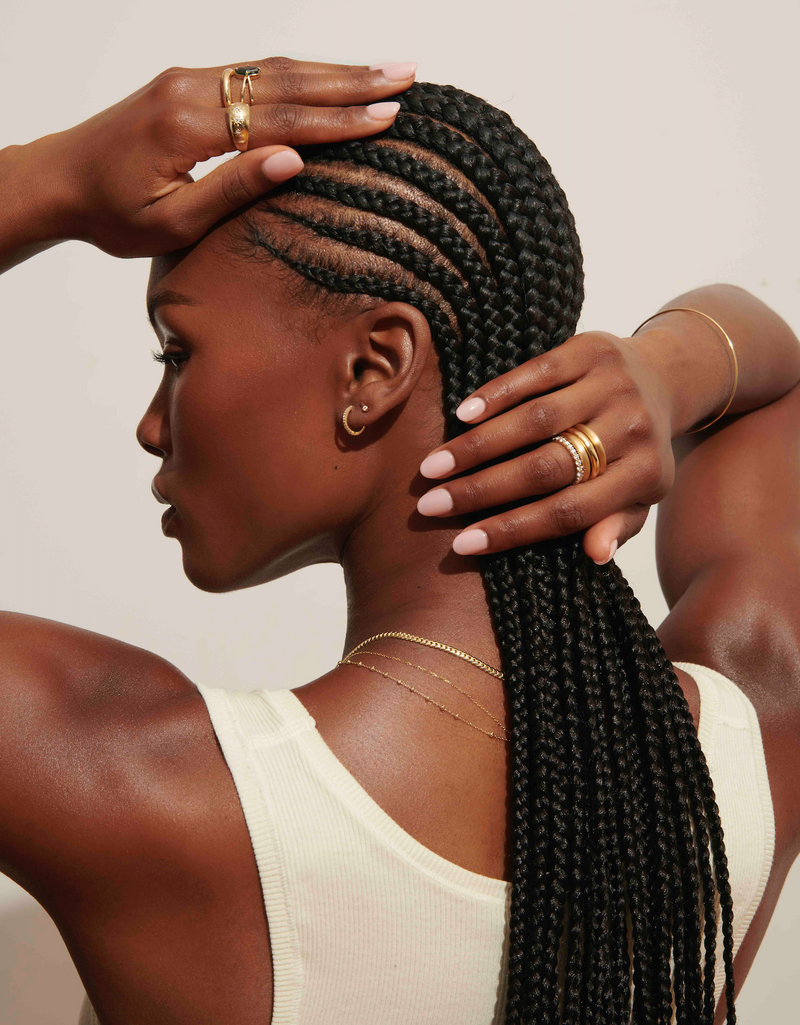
pixel 237 114
pixel 593 438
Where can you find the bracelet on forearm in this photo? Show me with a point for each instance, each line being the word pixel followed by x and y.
pixel 688 309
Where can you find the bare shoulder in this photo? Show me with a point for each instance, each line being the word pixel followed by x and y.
pixel 88 724
pixel 119 815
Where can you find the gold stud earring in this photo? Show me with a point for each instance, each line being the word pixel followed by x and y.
pixel 347 426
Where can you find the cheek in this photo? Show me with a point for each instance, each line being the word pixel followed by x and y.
pixel 259 470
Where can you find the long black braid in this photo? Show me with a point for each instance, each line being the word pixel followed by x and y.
pixel 617 850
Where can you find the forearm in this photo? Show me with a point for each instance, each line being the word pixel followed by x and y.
pixel 33 211
pixel 694 362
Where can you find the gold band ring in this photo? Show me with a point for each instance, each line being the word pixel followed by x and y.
pixel 593 438
pixel 594 458
pixel 237 114
pixel 583 451
pixel 586 450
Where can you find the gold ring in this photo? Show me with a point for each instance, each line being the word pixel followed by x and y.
pixel 583 451
pixel 593 438
pixel 576 456
pixel 237 114
pixel 594 458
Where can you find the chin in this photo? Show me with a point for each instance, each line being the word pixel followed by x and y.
pixel 218 574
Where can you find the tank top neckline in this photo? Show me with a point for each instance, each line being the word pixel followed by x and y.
pixel 367 808
pixel 292 710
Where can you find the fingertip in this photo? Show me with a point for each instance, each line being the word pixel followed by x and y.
pixel 611 552
pixel 471 409
pixel 280 166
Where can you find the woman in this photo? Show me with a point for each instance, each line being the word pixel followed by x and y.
pixel 559 856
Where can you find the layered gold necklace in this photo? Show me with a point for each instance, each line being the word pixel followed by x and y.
pixel 490 670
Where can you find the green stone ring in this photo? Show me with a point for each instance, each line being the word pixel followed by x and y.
pixel 246 71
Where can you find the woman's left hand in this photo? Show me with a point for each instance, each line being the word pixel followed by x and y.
pixel 594 378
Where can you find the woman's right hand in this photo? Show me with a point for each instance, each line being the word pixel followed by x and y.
pixel 596 378
pixel 122 181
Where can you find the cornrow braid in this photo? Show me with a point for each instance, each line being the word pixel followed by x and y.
pixel 616 852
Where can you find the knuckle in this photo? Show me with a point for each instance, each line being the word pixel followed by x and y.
pixel 469 495
pixel 172 84
pixel 235 186
pixel 508 532
pixel 548 470
pixel 174 121
pixel 279 65
pixel 286 118
pixel 567 515
pixel 503 389
pixel 290 88
pixel 539 419
pixel 471 448
pixel 606 353
pixel 639 425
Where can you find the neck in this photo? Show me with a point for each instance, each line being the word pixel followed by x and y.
pixel 402 574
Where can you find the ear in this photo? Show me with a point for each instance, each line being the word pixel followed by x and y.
pixel 386 352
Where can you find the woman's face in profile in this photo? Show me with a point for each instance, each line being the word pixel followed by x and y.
pixel 245 419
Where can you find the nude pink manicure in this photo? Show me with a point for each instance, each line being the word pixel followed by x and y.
pixel 435 503
pixel 282 165
pixel 383 111
pixel 396 71
pixel 470 409
pixel 471 542
pixel 440 464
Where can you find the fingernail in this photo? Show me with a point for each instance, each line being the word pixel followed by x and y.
pixel 383 111
pixel 611 551
pixel 438 465
pixel 436 502
pixel 471 542
pixel 396 71
pixel 471 408
pixel 282 165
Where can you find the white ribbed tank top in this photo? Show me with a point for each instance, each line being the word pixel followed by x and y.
pixel 368 925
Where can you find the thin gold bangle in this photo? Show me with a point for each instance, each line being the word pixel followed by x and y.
pixel 688 309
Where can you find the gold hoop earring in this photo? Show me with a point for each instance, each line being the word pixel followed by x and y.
pixel 347 426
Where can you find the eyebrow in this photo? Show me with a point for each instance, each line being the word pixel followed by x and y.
pixel 167 297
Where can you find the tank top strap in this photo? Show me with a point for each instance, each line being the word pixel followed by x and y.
pixel 262 717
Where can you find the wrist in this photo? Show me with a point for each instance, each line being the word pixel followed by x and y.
pixel 691 364
pixel 38 211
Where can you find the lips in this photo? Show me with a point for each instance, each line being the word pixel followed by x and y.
pixel 167 516
pixel 157 494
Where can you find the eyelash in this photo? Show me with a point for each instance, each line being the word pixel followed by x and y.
pixel 173 359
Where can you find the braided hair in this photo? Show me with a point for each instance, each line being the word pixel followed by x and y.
pixel 618 863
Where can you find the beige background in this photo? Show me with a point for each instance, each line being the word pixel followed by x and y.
pixel 672 128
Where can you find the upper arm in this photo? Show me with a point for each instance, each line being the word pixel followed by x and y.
pixel 728 546
pixel 80 718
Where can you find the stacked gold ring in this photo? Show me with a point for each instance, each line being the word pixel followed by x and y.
pixel 238 114
pixel 586 450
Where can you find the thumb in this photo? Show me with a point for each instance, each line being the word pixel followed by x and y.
pixel 199 205
pixel 600 541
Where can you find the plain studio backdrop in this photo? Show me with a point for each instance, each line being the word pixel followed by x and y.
pixel 671 126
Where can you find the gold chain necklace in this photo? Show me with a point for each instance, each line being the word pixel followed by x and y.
pixel 430 644
pixel 347 660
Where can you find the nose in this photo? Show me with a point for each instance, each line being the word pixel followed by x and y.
pixel 152 432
